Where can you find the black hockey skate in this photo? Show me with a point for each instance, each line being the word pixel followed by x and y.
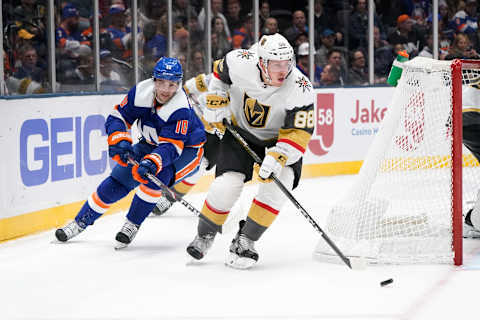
pixel 242 252
pixel 66 233
pixel 469 231
pixel 199 246
pixel 126 234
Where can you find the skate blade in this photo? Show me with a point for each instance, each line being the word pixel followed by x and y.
pixel 120 245
pixel 236 262
pixel 192 262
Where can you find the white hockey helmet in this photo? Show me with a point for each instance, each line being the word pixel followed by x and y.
pixel 274 47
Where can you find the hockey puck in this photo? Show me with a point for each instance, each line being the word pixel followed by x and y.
pixel 386 282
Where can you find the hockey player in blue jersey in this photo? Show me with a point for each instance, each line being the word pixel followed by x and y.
pixel 170 147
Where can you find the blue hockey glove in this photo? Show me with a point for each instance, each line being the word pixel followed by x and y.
pixel 120 147
pixel 151 163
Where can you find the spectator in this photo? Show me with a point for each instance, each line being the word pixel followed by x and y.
pixel 406 35
pixel 84 11
pixel 219 28
pixel 358 26
pixel 196 64
pixel 298 26
pixel 423 5
pixel 82 78
pixel 196 34
pixel 443 12
pixel 466 21
pixel 383 57
pixel 321 20
pixel 217 9
pixel 180 42
pixel 427 50
pixel 218 51
pixel 357 74
pixel 328 41
pixel 110 80
pixel 30 67
pixel 152 12
pixel 67 36
pixel 183 61
pixel 462 48
pixel 329 76
pixel 182 11
pixel 155 44
pixel 420 23
pixel 31 17
pixel 264 12
pixel 105 38
pixel 303 54
pixel 301 38
pixel 270 26
pixel 233 15
pixel 335 58
pixel 244 37
pixel 119 32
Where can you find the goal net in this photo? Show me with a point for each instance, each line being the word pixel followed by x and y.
pixel 406 203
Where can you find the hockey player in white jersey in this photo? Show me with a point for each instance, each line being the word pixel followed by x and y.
pixel 195 88
pixel 270 103
pixel 471 139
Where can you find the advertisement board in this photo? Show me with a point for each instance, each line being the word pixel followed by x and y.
pixel 347 120
pixel 54 150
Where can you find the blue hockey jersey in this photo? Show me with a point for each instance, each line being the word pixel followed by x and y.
pixel 170 127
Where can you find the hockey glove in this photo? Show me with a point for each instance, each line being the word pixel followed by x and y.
pixel 271 164
pixel 120 147
pixel 151 163
pixel 216 109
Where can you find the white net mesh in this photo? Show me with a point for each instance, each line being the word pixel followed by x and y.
pixel 399 209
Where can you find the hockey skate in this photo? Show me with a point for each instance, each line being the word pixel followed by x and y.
pixel 199 246
pixel 66 233
pixel 242 252
pixel 162 205
pixel 469 230
pixel 126 234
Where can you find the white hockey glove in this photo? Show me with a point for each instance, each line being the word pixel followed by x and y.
pixel 271 164
pixel 217 108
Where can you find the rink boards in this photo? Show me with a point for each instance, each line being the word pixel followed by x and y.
pixel 55 150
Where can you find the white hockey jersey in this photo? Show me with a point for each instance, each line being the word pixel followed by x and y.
pixel 471 98
pixel 196 87
pixel 284 113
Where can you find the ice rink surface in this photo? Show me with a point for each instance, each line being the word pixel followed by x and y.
pixel 154 278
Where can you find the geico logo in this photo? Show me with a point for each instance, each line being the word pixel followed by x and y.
pixel 62 148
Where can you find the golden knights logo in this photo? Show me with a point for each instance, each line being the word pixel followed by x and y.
pixel 255 113
pixel 303 83
pixel 245 54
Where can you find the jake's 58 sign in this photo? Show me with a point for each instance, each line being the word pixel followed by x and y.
pixel 323 137
pixel 346 122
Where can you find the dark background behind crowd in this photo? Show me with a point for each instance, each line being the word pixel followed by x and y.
pixel 340 32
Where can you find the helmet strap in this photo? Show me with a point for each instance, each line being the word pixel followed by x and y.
pixel 263 68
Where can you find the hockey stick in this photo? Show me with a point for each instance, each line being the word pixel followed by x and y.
pixel 224 229
pixel 352 263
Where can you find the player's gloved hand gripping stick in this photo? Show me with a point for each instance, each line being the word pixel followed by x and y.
pixel 352 263
pixel 224 229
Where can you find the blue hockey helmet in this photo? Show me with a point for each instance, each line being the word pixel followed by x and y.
pixel 168 69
